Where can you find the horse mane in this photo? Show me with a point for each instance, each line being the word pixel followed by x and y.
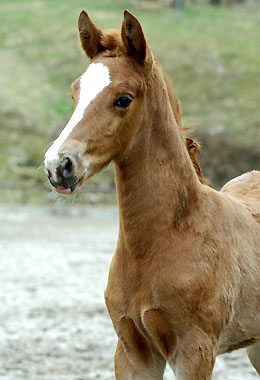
pixel 113 46
pixel 194 150
pixel 193 146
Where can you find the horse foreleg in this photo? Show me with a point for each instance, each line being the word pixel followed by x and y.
pixel 134 368
pixel 253 353
pixel 194 357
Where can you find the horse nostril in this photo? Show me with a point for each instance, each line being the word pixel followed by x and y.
pixel 68 168
pixel 49 174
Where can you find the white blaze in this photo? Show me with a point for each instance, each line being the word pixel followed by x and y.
pixel 92 82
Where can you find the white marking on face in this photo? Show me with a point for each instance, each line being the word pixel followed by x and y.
pixel 92 82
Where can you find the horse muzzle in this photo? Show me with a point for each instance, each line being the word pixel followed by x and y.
pixel 62 175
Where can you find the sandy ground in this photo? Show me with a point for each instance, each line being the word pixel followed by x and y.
pixel 53 322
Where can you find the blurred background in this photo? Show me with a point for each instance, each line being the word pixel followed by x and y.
pixel 209 48
pixel 55 256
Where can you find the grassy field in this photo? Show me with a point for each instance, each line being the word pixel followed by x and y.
pixel 211 54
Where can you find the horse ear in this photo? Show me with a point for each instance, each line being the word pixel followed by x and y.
pixel 90 35
pixel 133 37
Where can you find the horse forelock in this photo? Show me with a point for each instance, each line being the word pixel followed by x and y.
pixel 113 47
pixel 112 43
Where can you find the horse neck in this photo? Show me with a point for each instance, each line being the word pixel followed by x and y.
pixel 174 101
pixel 156 183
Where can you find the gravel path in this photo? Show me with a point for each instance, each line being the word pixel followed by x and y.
pixel 53 322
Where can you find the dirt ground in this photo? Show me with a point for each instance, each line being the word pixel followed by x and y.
pixel 54 264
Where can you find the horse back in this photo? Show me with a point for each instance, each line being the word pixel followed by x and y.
pixel 246 188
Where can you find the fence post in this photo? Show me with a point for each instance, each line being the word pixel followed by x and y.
pixel 179 7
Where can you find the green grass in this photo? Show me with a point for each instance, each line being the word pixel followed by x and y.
pixel 211 54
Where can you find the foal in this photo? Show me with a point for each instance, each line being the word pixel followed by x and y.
pixel 184 282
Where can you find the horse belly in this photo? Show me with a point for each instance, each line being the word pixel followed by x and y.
pixel 244 327
pixel 233 340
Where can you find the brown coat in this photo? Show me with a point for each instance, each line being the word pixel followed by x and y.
pixel 184 282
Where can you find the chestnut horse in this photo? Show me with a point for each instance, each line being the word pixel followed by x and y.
pixel 184 282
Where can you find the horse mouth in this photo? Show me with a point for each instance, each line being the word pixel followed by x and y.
pixel 68 190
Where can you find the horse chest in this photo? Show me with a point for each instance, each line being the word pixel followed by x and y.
pixel 138 311
pixel 131 290
pixel 127 297
pixel 141 328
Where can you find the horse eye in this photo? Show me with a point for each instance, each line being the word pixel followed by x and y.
pixel 124 101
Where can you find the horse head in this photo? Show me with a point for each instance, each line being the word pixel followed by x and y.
pixel 108 100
